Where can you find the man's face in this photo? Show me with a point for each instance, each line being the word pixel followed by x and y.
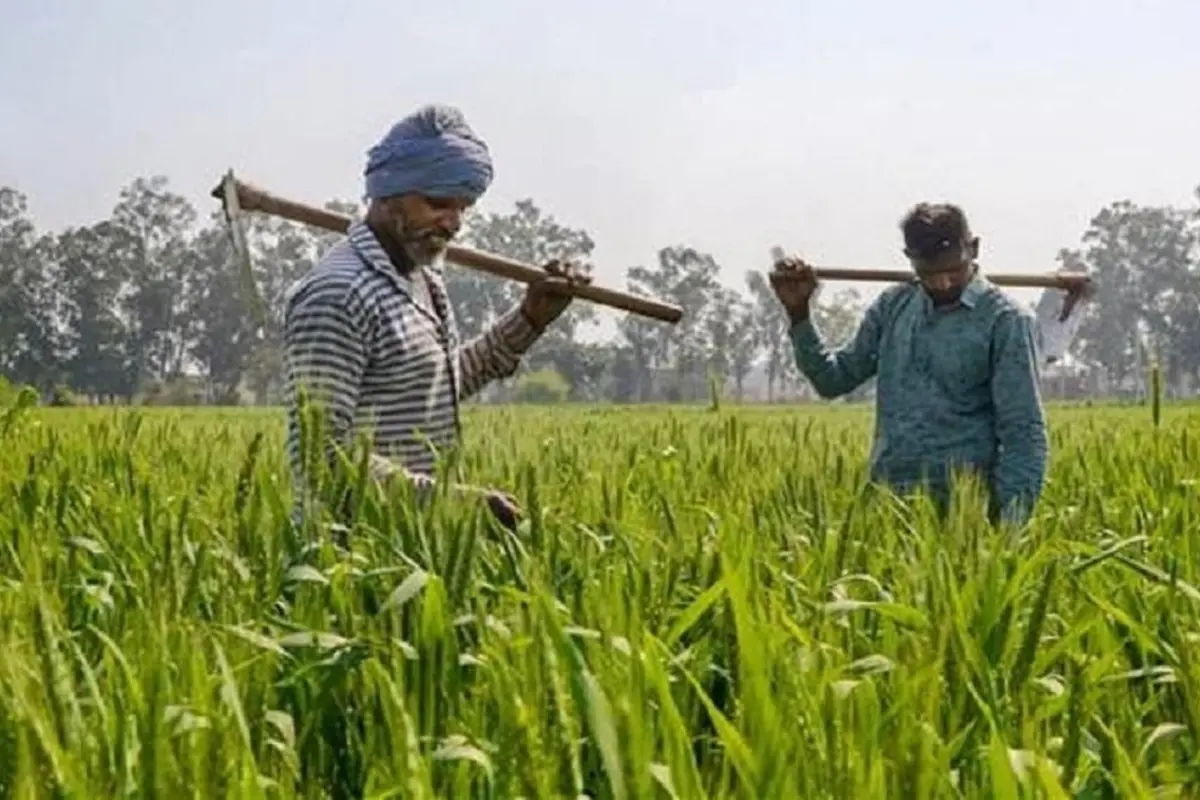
pixel 424 226
pixel 946 275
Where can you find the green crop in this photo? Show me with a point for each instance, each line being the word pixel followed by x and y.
pixel 701 603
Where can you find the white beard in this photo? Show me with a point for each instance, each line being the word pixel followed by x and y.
pixel 419 255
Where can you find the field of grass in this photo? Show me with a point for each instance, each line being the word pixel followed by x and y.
pixel 701 605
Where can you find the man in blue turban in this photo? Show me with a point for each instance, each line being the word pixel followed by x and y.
pixel 370 333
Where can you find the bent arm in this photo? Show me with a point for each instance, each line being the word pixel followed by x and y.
pixel 1020 420
pixel 496 353
pixel 834 373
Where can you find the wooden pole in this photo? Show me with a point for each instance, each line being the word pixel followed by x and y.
pixel 252 198
pixel 1049 280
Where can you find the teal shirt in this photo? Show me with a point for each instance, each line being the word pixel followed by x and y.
pixel 954 388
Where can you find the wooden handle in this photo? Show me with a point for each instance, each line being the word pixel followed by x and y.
pixel 251 198
pixel 1060 280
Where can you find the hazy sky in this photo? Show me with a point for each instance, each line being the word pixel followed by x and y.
pixel 729 127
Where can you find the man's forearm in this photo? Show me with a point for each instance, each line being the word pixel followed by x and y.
pixel 388 473
pixel 1023 446
pixel 1021 437
pixel 1016 505
pixel 1020 473
pixel 497 352
pixel 832 373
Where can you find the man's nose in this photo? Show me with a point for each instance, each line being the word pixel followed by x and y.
pixel 451 220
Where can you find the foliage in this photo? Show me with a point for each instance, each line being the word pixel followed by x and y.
pixel 543 386
pixel 698 605
pixel 174 392
pixel 1146 261
pixel 8 392
pixel 62 397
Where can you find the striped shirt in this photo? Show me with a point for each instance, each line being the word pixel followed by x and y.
pixel 381 356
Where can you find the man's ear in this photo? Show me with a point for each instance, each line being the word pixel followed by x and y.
pixel 973 246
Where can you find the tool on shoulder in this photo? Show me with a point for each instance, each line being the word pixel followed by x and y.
pixel 1058 312
pixel 238 198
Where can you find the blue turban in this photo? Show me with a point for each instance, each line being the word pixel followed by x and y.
pixel 433 152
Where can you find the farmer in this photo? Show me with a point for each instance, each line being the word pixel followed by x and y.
pixel 369 332
pixel 956 364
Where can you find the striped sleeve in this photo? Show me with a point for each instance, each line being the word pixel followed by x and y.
pixel 326 348
pixel 496 353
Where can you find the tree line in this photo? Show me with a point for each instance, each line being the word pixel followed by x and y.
pixel 147 306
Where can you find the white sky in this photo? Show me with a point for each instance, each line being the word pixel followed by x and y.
pixel 729 127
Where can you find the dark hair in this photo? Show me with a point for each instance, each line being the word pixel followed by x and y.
pixel 931 229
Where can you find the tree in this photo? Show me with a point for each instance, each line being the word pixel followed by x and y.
pixel 529 235
pixel 733 337
pixel 772 330
pixel 1146 261
pixel 745 342
pixel 281 252
pixel 154 224
pixel 89 267
pixel 689 279
pixel 28 349
pixel 222 339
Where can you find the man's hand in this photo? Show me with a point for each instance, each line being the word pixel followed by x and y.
pixel 503 507
pixel 794 283
pixel 546 300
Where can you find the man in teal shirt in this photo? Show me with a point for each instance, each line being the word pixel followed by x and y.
pixel 956 368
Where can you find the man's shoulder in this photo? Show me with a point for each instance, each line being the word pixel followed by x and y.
pixel 337 278
pixel 1002 306
pixel 898 291
pixel 893 297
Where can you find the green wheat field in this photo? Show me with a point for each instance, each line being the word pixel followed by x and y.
pixel 702 604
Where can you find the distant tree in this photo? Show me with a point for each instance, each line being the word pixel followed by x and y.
pixel 733 338
pixel 688 278
pixel 90 269
pixel 772 330
pixel 222 339
pixel 529 235
pixel 1146 261
pixel 542 386
pixel 29 349
pixel 153 225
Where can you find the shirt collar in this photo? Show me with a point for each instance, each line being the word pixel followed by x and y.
pixel 973 290
pixel 367 245
pixel 363 239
